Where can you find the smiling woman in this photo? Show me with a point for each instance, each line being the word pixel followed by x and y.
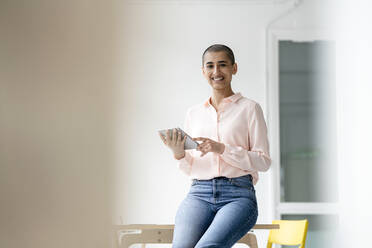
pixel 218 67
pixel 221 205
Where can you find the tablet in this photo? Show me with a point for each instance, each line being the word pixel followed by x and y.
pixel 189 143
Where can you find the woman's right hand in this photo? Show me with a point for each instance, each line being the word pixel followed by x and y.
pixel 175 143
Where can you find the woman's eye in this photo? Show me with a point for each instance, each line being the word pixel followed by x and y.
pixel 222 65
pixel 209 66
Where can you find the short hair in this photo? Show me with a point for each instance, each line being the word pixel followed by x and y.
pixel 219 48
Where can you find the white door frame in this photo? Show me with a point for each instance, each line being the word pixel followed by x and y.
pixel 272 103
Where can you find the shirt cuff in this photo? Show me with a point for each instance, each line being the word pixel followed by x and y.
pixel 185 163
pixel 187 158
pixel 227 150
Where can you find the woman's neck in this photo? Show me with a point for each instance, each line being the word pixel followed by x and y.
pixel 218 96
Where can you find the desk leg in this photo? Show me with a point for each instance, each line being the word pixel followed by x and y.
pixel 250 240
pixel 115 239
pixel 253 241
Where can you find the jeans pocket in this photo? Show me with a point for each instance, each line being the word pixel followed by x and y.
pixel 194 182
pixel 243 182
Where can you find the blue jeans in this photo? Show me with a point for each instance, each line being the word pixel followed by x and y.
pixel 216 213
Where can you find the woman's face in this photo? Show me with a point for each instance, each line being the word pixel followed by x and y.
pixel 218 70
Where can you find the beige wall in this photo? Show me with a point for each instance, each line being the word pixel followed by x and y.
pixel 56 84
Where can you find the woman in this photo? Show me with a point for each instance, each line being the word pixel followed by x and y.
pixel 221 205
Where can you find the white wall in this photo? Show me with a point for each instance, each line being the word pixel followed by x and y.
pixel 354 77
pixel 161 77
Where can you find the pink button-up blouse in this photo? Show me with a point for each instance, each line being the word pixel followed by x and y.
pixel 240 126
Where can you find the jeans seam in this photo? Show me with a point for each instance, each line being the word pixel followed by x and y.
pixel 248 222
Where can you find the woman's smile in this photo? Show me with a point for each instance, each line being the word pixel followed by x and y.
pixel 218 79
pixel 218 70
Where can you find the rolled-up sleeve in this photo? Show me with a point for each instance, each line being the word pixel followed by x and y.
pixel 257 156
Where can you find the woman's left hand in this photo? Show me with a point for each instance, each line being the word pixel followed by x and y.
pixel 209 145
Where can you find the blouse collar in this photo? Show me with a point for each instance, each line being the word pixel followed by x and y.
pixel 230 99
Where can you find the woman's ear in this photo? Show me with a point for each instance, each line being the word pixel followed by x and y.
pixel 235 68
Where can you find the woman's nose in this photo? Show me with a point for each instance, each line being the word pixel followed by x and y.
pixel 216 69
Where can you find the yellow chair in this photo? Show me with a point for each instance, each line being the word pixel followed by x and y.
pixel 290 232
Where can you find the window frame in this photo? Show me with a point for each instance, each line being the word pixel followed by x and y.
pixel 274 36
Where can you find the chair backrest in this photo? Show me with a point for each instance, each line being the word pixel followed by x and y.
pixel 290 232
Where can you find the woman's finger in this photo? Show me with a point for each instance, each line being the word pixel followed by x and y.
pixel 167 136
pixel 184 140
pixel 179 140
pixel 174 136
pixel 200 139
pixel 162 138
pixel 201 146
